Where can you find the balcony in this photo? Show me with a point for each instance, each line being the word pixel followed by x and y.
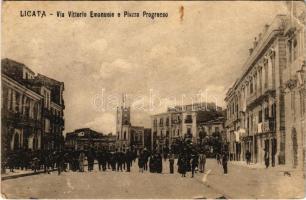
pixel 267 126
pixel 176 121
pixel 188 121
pixel 251 99
pixel 256 98
pixel 20 119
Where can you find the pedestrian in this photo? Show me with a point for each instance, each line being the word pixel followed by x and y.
pixel 202 161
pixel 59 162
pixel 159 163
pixel 90 159
pixel 99 158
pixel 194 163
pixel 267 159
pixel 81 161
pixel 146 158
pixel 171 163
pixel 128 160
pixel 224 162
pixel 141 162
pixel 248 157
pixel 218 157
pixel 151 163
pixel 118 158
pixel 104 159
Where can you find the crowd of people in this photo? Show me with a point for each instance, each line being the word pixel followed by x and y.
pixel 189 159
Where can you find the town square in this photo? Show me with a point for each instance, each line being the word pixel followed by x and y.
pixel 188 100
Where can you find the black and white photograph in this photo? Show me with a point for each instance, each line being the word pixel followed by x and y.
pixel 153 99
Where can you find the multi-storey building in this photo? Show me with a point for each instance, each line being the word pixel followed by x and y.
pixel 180 122
pixel 53 110
pixel 294 77
pixel 257 103
pixel 25 103
pixel 21 123
pixel 86 138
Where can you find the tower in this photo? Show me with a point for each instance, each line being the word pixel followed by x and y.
pixel 123 125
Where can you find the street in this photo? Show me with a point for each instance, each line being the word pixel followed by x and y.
pixel 108 185
pixel 241 182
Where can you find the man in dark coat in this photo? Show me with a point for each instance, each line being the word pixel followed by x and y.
pixel 128 160
pixel 104 154
pixel 171 163
pixel 99 158
pixel 59 162
pixel 194 164
pixel 90 159
pixel 151 163
pixel 159 163
pixel 224 162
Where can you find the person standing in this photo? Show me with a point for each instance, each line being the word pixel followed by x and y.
pixel 159 163
pixel 267 159
pixel 128 160
pixel 248 157
pixel 194 163
pixel 81 161
pixel 202 159
pixel 60 162
pixel 171 163
pixel 141 162
pixel 224 162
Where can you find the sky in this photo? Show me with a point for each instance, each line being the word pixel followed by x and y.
pixel 155 63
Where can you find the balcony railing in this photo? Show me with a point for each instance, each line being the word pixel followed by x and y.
pixel 266 126
pixel 21 119
pixel 251 98
pixel 176 121
pixel 188 121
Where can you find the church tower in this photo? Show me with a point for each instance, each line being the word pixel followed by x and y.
pixel 123 125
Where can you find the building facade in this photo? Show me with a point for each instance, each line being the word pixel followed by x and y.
pixel 294 77
pixel 25 103
pixel 258 115
pixel 86 138
pixel 181 122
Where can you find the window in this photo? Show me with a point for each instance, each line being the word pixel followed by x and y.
pixel 289 47
pixel 217 129
pixel 273 110
pixel 266 74
pixel 188 119
pixel 260 116
pixel 266 113
pixel 124 136
pixel 273 69
pixel 251 86
pixel 293 104
pixel 302 102
pixel 295 49
pixel 167 122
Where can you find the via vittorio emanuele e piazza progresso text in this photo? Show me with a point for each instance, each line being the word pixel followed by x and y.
pixel 93 14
